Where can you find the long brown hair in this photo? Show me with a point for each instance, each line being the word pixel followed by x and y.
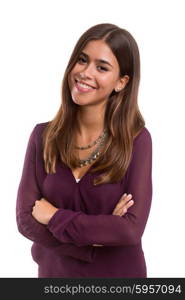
pixel 123 119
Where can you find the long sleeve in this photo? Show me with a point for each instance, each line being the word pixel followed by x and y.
pixel 111 230
pixel 28 193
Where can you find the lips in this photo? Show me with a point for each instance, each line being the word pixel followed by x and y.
pixel 83 87
pixel 84 83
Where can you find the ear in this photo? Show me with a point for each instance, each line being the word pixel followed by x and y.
pixel 121 83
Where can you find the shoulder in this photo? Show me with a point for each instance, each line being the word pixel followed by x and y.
pixel 38 130
pixel 143 141
pixel 143 135
pixel 41 126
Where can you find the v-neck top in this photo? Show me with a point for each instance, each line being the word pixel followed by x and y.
pixel 64 247
pixel 77 179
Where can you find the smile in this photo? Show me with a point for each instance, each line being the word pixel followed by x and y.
pixel 82 87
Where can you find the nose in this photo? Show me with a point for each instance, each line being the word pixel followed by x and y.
pixel 87 72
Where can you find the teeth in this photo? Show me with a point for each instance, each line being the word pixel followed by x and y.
pixel 84 85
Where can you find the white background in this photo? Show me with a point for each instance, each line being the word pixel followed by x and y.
pixel 37 38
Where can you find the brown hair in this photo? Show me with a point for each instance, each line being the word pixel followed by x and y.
pixel 123 119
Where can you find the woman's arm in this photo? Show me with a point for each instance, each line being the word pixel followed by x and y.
pixel 111 230
pixel 28 193
pixel 43 210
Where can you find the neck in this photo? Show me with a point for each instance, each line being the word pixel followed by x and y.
pixel 90 122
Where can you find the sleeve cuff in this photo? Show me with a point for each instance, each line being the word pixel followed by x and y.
pixel 60 220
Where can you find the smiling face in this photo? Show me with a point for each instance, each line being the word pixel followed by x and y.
pixel 95 74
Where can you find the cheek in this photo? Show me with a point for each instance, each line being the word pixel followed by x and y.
pixel 76 69
pixel 73 72
pixel 108 77
pixel 108 83
pixel 70 76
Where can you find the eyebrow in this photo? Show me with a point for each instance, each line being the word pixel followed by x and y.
pixel 97 60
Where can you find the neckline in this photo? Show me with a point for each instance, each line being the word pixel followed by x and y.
pixel 71 173
pixel 80 179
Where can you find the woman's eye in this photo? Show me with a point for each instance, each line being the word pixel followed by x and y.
pixel 102 68
pixel 81 59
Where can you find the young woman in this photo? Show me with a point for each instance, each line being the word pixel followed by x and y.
pixel 86 186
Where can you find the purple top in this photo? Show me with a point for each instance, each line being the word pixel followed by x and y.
pixel 63 248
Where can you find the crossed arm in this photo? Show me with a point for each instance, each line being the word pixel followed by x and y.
pixel 43 210
pixel 71 229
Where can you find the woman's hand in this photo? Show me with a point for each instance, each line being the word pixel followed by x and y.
pixel 121 208
pixel 43 211
pixel 123 204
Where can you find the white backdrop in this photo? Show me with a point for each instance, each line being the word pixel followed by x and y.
pixel 37 38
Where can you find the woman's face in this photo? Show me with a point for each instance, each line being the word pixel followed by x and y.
pixel 95 74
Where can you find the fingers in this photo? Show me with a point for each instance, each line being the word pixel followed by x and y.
pixel 123 211
pixel 129 203
pixel 123 200
pixel 124 203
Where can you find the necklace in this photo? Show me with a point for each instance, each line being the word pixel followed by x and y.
pixel 93 156
pixel 92 144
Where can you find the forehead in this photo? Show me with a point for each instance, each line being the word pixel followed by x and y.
pixel 98 50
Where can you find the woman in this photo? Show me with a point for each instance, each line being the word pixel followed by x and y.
pixel 86 187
